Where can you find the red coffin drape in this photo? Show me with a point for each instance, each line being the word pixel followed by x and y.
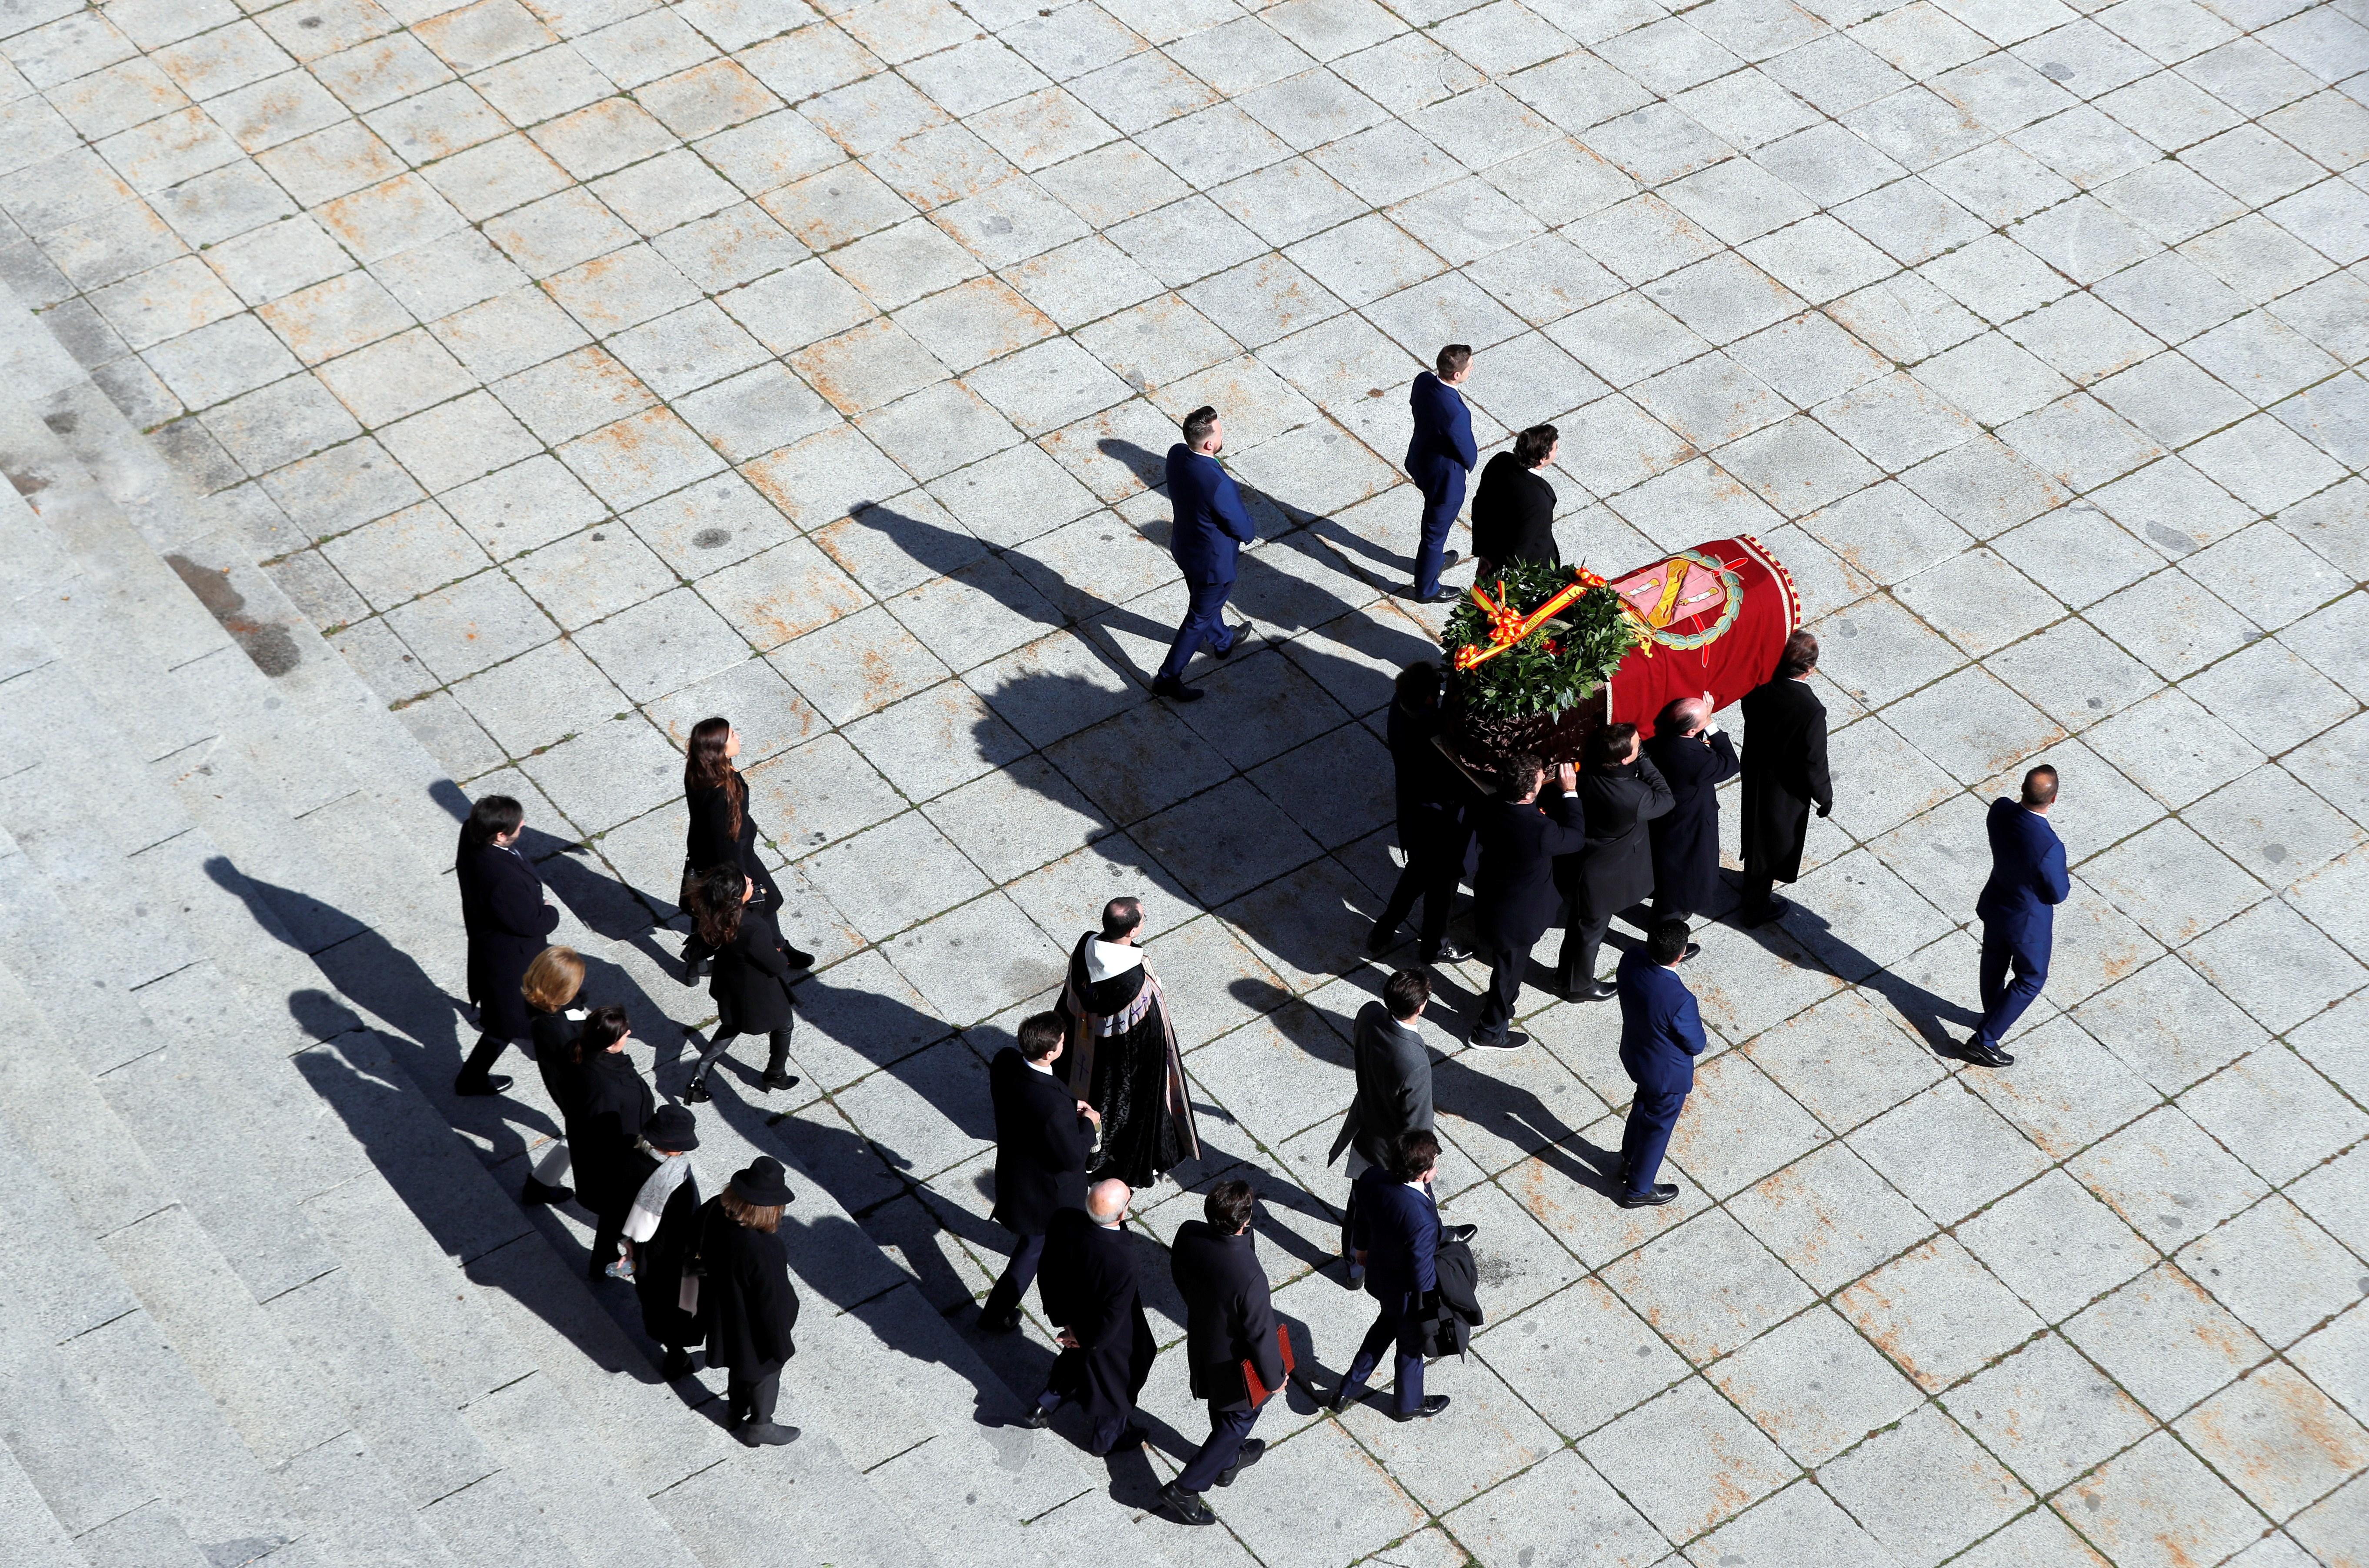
pixel 1721 612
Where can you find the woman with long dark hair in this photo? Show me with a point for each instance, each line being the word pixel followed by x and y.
pixel 721 832
pixel 604 1130
pixel 751 983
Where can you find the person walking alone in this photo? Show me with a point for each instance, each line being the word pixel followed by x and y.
pixel 508 918
pixel 1211 526
pixel 2018 909
pixel 1439 455
pixel 1661 1035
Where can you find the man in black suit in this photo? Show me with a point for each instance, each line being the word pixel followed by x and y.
pixel 1229 1320
pixel 1397 1235
pixel 1513 896
pixel 1393 1089
pixel 1093 1297
pixel 1042 1138
pixel 509 921
pixel 1513 512
pixel 1784 775
pixel 1618 795
pixel 1695 759
pixel 1435 827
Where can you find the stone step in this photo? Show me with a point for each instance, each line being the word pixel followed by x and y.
pixel 905 1345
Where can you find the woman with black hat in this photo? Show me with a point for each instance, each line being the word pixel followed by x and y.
pixel 661 1229
pixel 747 1304
pixel 604 1130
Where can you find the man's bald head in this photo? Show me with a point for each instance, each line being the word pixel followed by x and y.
pixel 1106 1201
pixel 1693 713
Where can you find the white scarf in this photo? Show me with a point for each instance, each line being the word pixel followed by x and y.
pixel 649 1204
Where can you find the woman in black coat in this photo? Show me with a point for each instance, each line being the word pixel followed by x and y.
pixel 721 832
pixel 751 983
pixel 1695 760
pixel 509 921
pixel 1618 793
pixel 746 1305
pixel 662 1227
pixel 612 1105
pixel 1513 510
pixel 551 985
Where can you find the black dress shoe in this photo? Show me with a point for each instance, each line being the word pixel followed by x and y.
pixel 1007 1323
pixel 1176 690
pixel 773 1080
pixel 1343 1398
pixel 1231 644
pixel 1186 1507
pixel 1594 990
pixel 1431 1405
pixel 1129 1439
pixel 1450 559
pixel 695 1092
pixel 1766 914
pixel 677 1364
pixel 537 1192
pixel 1380 939
pixel 1508 1042
pixel 1253 1449
pixel 1982 1055
pixel 1693 948
pixel 1445 953
pixel 479 1088
pixel 1662 1192
pixel 1038 1417
pixel 1458 1233
pixel 798 957
pixel 764 1434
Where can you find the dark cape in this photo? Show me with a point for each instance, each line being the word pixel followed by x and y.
pixel 1090 1288
pixel 1686 839
pixel 508 923
pixel 659 1264
pixel 746 1305
pixel 1135 1077
pixel 1784 775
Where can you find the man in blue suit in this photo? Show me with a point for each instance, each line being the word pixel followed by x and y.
pixel 1439 455
pixel 1397 1234
pixel 1211 528
pixel 2017 909
pixel 1661 1035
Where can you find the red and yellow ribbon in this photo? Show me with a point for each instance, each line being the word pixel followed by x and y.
pixel 1508 628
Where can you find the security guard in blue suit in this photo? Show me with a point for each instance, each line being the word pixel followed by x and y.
pixel 2018 909
pixel 1211 527
pixel 1439 455
pixel 1661 1035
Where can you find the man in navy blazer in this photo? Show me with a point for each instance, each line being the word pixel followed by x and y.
pixel 1211 528
pixel 1661 1035
pixel 1439 455
pixel 2018 909
pixel 1397 1235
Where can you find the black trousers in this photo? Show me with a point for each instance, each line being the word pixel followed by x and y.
pixel 1581 940
pixel 482 1057
pixel 749 1397
pixel 1227 1431
pixel 1507 968
pixel 777 1056
pixel 1018 1274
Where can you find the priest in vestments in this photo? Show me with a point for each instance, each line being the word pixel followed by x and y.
pixel 1123 1057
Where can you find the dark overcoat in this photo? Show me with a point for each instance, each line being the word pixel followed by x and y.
pixel 1229 1315
pixel 553 1034
pixel 658 1265
pixel 1686 837
pixel 750 981
pixel 1615 867
pixel 1513 896
pixel 1513 515
pixel 1784 775
pixel 710 840
pixel 1042 1143
pixel 1090 1288
pixel 604 1134
pixel 1432 795
pixel 508 923
pixel 1393 1086
pixel 747 1304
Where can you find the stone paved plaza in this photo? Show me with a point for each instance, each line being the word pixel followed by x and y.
pixel 581 368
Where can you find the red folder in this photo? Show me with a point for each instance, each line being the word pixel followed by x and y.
pixel 1258 1391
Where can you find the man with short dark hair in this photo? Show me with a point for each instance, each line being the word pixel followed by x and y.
pixel 1044 1135
pixel 1618 795
pixel 1393 1095
pixel 1439 454
pixel 2018 909
pixel 1661 1035
pixel 509 919
pixel 1229 1320
pixel 1514 897
pixel 1513 510
pixel 1784 773
pixel 1398 1237
pixel 1210 529
pixel 1695 760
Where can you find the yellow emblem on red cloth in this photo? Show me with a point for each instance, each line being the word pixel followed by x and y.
pixel 1508 628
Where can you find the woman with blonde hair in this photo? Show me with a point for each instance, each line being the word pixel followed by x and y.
pixel 721 832
pixel 747 1304
pixel 554 978
pixel 751 983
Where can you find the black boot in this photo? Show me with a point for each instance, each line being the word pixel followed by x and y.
pixel 537 1192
